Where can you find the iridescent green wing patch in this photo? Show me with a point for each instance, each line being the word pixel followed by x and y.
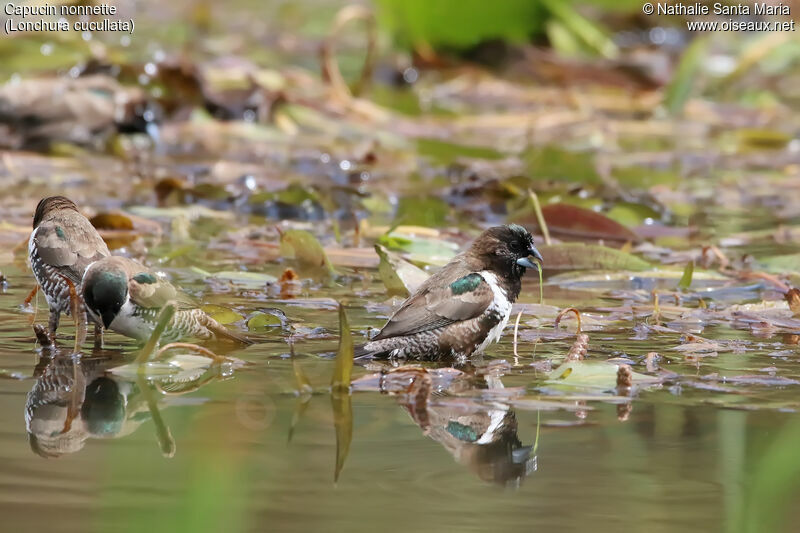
pixel 461 432
pixel 468 283
pixel 145 277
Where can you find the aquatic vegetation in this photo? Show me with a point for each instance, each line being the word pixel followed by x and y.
pixel 298 180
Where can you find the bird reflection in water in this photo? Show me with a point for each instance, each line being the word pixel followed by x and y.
pixel 75 398
pixel 445 403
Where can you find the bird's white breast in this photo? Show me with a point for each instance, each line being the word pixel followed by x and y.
pixel 500 305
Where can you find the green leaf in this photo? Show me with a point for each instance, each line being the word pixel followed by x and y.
pixel 680 88
pixel 589 33
pixel 686 279
pixel 592 374
pixel 423 250
pixel 579 256
pixel 400 277
pixel 307 252
pixel 427 211
pixel 340 393
pixel 261 321
pixel 344 356
pixel 221 314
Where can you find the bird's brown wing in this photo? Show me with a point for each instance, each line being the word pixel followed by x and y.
pixel 435 306
pixel 70 247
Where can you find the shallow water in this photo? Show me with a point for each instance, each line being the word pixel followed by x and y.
pixel 219 457
pixel 709 443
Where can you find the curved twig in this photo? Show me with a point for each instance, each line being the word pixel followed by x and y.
pixel 330 67
pixel 564 312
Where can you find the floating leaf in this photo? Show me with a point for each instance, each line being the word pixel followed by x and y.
pixel 261 321
pixel 579 256
pixel 252 280
pixel 400 277
pixel 221 314
pixel 592 374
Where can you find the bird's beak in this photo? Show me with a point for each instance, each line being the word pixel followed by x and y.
pixel 527 263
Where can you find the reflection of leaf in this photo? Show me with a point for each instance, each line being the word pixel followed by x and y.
pixel 343 422
pixel 306 250
pixel 340 393
pixel 772 486
pixel 579 256
pixel 400 277
pixel 304 391
pixel 165 440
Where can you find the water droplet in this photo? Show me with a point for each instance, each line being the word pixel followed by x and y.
pixel 150 69
pixel 410 75
pixel 658 35
pixel 125 40
pixel 86 36
pixel 325 158
pixel 344 164
pixel 46 49
pixel 249 115
pixel 143 79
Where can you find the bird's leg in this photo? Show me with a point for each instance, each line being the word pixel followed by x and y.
pixel 98 336
pixel 55 314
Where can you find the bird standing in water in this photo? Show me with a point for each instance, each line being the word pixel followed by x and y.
pixel 464 307
pixel 127 297
pixel 62 245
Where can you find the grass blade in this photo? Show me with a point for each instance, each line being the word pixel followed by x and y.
pixel 340 394
pixel 164 318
